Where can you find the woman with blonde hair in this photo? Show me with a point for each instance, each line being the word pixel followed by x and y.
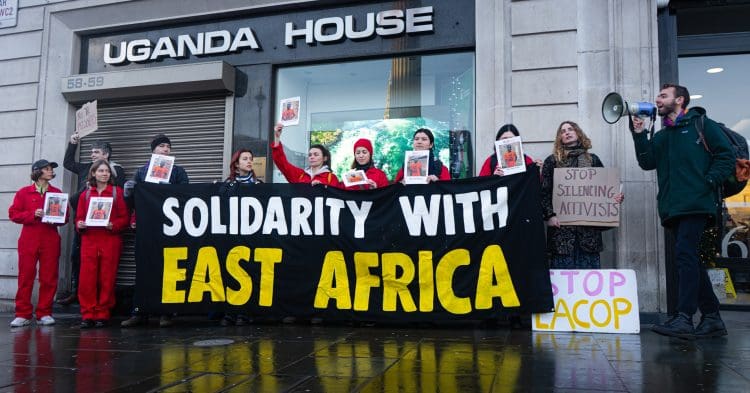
pixel 570 246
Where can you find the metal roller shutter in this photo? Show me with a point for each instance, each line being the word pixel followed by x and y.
pixel 194 125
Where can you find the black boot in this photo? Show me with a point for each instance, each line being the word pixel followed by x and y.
pixel 680 325
pixel 711 325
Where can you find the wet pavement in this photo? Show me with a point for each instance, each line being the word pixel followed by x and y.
pixel 197 355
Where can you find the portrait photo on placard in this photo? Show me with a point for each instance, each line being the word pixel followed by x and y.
pixel 416 166
pixel 159 169
pixel 510 155
pixel 55 207
pixel 289 111
pixel 99 211
pixel 355 178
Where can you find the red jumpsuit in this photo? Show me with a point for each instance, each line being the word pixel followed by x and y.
pixel 100 255
pixel 374 174
pixel 294 174
pixel 38 242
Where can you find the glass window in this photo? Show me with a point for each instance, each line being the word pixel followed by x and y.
pixel 719 84
pixel 384 100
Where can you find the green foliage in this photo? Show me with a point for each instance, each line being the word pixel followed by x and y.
pixel 390 139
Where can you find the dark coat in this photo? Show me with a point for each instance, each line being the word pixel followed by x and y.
pixel 687 174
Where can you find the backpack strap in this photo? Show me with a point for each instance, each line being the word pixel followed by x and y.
pixel 699 126
pixel 329 177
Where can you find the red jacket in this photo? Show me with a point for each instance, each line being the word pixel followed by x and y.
pixel 294 174
pixel 374 174
pixel 21 211
pixel 444 174
pixel 119 216
pixel 486 170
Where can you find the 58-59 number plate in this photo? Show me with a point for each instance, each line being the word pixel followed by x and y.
pixel 83 82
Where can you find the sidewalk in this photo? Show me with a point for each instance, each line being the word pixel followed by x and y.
pixel 198 356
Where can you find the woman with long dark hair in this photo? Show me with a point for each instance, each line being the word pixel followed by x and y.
pixel 491 166
pixel 424 140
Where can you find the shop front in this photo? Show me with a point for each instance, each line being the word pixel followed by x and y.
pixel 334 74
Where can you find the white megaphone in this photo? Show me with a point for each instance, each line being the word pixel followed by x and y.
pixel 614 107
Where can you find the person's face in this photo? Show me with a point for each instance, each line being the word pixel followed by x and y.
pixel 315 158
pixel 48 173
pixel 98 154
pixel 102 173
pixel 506 135
pixel 568 134
pixel 362 155
pixel 163 149
pixel 245 163
pixel 666 102
pixel 421 142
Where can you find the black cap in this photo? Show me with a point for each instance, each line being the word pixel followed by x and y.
pixel 158 140
pixel 41 164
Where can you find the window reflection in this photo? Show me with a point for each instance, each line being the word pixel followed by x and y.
pixel 719 84
pixel 384 100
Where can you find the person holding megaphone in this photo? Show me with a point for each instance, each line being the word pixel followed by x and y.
pixel 688 176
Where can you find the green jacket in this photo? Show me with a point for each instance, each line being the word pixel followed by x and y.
pixel 687 174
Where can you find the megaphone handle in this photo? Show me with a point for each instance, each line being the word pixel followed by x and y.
pixel 630 123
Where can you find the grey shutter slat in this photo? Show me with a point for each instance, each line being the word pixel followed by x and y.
pixel 194 125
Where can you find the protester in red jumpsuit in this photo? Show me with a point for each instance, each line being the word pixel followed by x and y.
pixel 39 242
pixel 363 161
pixel 318 158
pixel 100 248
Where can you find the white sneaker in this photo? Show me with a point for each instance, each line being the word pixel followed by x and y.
pixel 20 322
pixel 46 320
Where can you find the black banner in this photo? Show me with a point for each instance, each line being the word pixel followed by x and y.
pixel 464 249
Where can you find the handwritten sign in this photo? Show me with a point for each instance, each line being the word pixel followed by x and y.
pixel 86 119
pixel 602 301
pixel 584 196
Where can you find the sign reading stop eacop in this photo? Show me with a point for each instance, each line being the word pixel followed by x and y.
pixel 602 301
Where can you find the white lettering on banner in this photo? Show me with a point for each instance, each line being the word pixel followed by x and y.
pixel 592 301
pixel 212 42
pixel 384 24
pixel 418 214
pixel 248 216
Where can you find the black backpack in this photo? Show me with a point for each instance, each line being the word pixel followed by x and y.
pixel 730 186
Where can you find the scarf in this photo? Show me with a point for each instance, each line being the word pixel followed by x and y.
pixel 249 179
pixel 575 157
pixel 436 166
pixel 667 122
pixel 365 167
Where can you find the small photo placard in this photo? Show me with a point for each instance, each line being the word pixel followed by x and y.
pixel 159 169
pixel 416 166
pixel 355 178
pixel 98 212
pixel 289 111
pixel 55 207
pixel 510 155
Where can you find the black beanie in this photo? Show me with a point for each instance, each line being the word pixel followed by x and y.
pixel 158 140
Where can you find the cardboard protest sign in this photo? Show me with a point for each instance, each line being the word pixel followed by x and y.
pixel 602 301
pixel 585 196
pixel 87 119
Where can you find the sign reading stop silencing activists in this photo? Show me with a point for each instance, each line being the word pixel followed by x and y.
pixel 449 250
pixel 87 119
pixel 584 196
pixel 602 301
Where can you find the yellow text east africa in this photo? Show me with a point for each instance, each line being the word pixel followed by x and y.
pixel 397 272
